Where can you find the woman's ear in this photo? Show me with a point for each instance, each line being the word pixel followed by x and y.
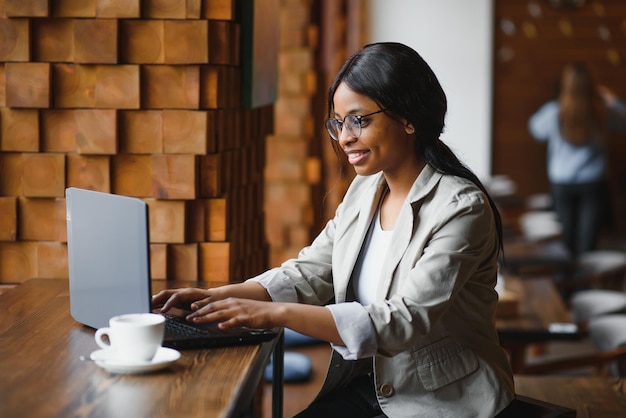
pixel 409 129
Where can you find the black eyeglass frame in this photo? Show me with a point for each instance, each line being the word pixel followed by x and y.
pixel 358 119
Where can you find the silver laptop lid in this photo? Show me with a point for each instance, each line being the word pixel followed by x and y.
pixel 108 256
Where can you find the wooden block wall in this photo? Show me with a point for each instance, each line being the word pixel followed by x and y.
pixel 134 97
pixel 289 201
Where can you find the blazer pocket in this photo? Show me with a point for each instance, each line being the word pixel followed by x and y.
pixel 444 362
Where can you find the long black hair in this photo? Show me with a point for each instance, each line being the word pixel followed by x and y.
pixel 398 79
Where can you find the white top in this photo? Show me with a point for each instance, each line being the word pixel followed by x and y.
pixel 370 262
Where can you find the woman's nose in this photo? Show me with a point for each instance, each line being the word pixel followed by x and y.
pixel 345 137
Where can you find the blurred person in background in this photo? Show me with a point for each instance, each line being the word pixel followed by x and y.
pixel 575 127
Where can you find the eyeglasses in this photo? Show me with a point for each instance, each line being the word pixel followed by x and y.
pixel 353 124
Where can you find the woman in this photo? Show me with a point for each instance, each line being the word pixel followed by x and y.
pixel 575 127
pixel 401 281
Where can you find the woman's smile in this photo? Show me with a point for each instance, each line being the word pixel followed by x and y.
pixel 355 157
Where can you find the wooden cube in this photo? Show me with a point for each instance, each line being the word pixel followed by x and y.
pixel 211 183
pixel 8 218
pixel 194 9
pixel 89 172
pixel 131 175
pixel 18 261
pixel 53 40
pixel 170 86
pixel 217 219
pixel 182 262
pixel 221 37
pixel 96 131
pixel 42 219
pixel 11 169
pixel 26 8
pixel 3 96
pixel 165 9
pixel 186 42
pixel 58 131
pixel 158 261
pixel 52 260
pixel 74 85
pixel 117 87
pixel 27 84
pixel 73 8
pixel 173 176
pixel 19 130
pixel 142 41
pixel 43 175
pixel 95 41
pixel 184 132
pixel 141 131
pixel 15 40
pixel 214 261
pixel 167 221
pixel 118 9
pixel 219 9
pixel 220 87
pixel 195 220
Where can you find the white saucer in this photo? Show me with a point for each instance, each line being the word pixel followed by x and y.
pixel 163 358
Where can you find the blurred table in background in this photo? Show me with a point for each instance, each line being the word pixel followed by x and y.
pixel 590 396
pixel 539 307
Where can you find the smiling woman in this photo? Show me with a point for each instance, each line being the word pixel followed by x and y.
pixel 418 328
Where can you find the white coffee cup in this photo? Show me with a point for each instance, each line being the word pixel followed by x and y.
pixel 133 337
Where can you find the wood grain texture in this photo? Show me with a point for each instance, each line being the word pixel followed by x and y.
pixel 95 41
pixel 53 40
pixel 174 176
pixel 19 130
pixel 42 219
pixel 167 221
pixel 8 218
pixel 171 87
pixel 211 383
pixel 142 41
pixel 26 8
pixel 43 175
pixel 28 85
pixel 52 259
pixel 185 132
pixel 186 42
pixel 18 262
pixel 131 175
pixel 96 131
pixel 72 8
pixel 589 396
pixel 118 9
pixel 141 131
pixel 91 172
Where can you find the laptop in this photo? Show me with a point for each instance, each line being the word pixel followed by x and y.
pixel 109 270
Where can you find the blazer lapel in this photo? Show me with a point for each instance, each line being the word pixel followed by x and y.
pixel 403 230
pixel 366 208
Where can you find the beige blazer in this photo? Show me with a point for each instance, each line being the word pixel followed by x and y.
pixel 438 352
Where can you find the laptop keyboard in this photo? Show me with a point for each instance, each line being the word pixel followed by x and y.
pixel 177 326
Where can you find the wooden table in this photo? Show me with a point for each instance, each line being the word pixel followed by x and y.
pixel 42 374
pixel 523 257
pixel 597 397
pixel 539 306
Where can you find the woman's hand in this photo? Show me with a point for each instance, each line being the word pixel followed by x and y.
pixel 191 299
pixel 181 298
pixel 237 312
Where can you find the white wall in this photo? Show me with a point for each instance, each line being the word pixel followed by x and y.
pixel 455 38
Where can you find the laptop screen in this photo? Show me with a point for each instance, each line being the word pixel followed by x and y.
pixel 108 256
